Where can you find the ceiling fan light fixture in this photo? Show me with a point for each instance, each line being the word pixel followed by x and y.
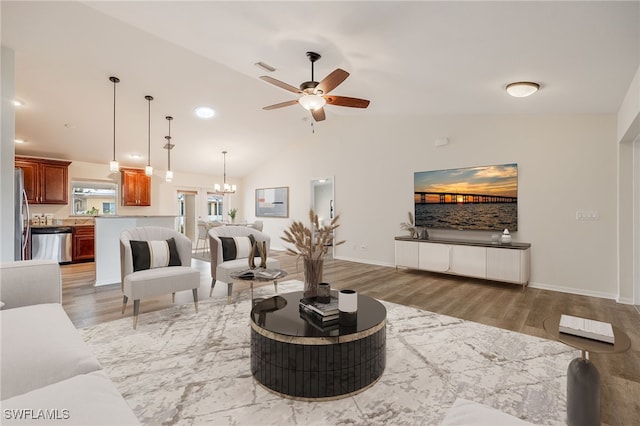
pixel 312 102
pixel 522 89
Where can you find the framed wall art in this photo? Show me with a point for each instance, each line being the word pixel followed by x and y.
pixel 272 202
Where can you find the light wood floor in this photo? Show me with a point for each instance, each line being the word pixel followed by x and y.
pixel 496 304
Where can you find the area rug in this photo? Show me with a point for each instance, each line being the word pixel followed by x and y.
pixel 183 368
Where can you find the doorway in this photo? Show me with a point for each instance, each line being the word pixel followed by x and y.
pixel 187 214
pixel 322 201
pixel 636 223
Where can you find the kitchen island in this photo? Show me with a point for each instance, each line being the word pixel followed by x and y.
pixel 107 242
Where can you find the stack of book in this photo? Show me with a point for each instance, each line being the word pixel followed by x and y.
pixel 321 315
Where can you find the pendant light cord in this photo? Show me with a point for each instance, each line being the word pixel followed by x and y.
pixel 149 98
pixel 114 80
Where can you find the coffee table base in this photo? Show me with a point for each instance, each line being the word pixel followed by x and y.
pixel 323 370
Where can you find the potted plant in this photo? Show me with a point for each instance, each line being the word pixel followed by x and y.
pixel 311 244
pixel 232 214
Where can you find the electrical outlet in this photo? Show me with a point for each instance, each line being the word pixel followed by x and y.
pixel 587 215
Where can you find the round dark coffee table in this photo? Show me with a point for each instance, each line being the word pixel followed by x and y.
pixel 295 358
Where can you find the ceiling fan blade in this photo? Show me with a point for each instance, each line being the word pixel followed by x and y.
pixel 280 84
pixel 346 101
pixel 281 104
pixel 318 114
pixel 332 81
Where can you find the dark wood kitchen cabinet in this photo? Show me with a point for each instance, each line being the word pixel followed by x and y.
pixel 136 187
pixel 45 181
pixel 83 243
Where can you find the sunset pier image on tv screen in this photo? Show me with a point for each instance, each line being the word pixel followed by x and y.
pixel 474 198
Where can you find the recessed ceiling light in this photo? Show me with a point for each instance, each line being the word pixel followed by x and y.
pixel 205 112
pixel 17 103
pixel 135 156
pixel 522 89
pixel 18 140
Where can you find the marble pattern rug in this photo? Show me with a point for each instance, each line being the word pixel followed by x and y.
pixel 183 368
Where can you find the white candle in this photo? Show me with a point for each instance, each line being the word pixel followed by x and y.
pixel 348 301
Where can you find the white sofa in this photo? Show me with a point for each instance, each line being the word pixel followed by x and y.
pixel 49 375
pixel 220 269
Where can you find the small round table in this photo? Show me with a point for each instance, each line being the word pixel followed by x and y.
pixel 294 358
pixel 259 275
pixel 583 379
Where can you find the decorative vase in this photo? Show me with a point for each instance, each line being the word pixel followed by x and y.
pixel 312 276
pixel 252 260
pixel 263 255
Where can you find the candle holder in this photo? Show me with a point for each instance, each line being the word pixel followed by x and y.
pixel 324 293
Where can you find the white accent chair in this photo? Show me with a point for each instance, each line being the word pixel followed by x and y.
pixel 221 270
pixel 156 281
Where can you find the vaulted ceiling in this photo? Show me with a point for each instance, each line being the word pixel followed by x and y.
pixel 406 57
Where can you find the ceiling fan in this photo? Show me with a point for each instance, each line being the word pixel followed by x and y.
pixel 314 95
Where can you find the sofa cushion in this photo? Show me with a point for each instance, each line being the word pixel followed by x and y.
pixel 469 413
pixel 236 247
pixel 154 254
pixel 160 281
pixel 86 399
pixel 40 346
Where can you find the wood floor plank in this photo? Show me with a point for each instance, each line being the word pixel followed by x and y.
pixel 491 303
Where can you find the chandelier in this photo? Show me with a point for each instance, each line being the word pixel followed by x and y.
pixel 226 188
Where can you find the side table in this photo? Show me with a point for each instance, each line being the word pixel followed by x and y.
pixel 259 275
pixel 583 379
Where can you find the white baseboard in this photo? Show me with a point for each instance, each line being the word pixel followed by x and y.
pixel 578 291
pixel 365 261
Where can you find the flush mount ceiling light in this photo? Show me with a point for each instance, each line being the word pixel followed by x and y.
pixel 522 89
pixel 205 112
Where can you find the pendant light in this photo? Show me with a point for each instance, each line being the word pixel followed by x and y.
pixel 226 188
pixel 113 165
pixel 149 170
pixel 169 146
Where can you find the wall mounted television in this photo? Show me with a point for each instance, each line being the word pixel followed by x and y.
pixel 473 198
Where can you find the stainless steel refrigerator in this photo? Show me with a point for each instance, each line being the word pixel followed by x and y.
pixel 21 224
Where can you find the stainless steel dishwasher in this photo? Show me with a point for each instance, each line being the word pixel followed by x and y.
pixel 53 243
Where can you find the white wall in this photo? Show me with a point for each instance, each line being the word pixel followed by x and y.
pixel 566 163
pixel 628 130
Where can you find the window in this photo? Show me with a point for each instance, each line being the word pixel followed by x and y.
pixel 94 198
pixel 214 207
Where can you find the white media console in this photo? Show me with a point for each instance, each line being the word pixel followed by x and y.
pixel 492 261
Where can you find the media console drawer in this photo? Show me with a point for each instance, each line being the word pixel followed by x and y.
pixel 499 262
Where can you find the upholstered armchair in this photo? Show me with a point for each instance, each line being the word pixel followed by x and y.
pixel 237 259
pixel 155 261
